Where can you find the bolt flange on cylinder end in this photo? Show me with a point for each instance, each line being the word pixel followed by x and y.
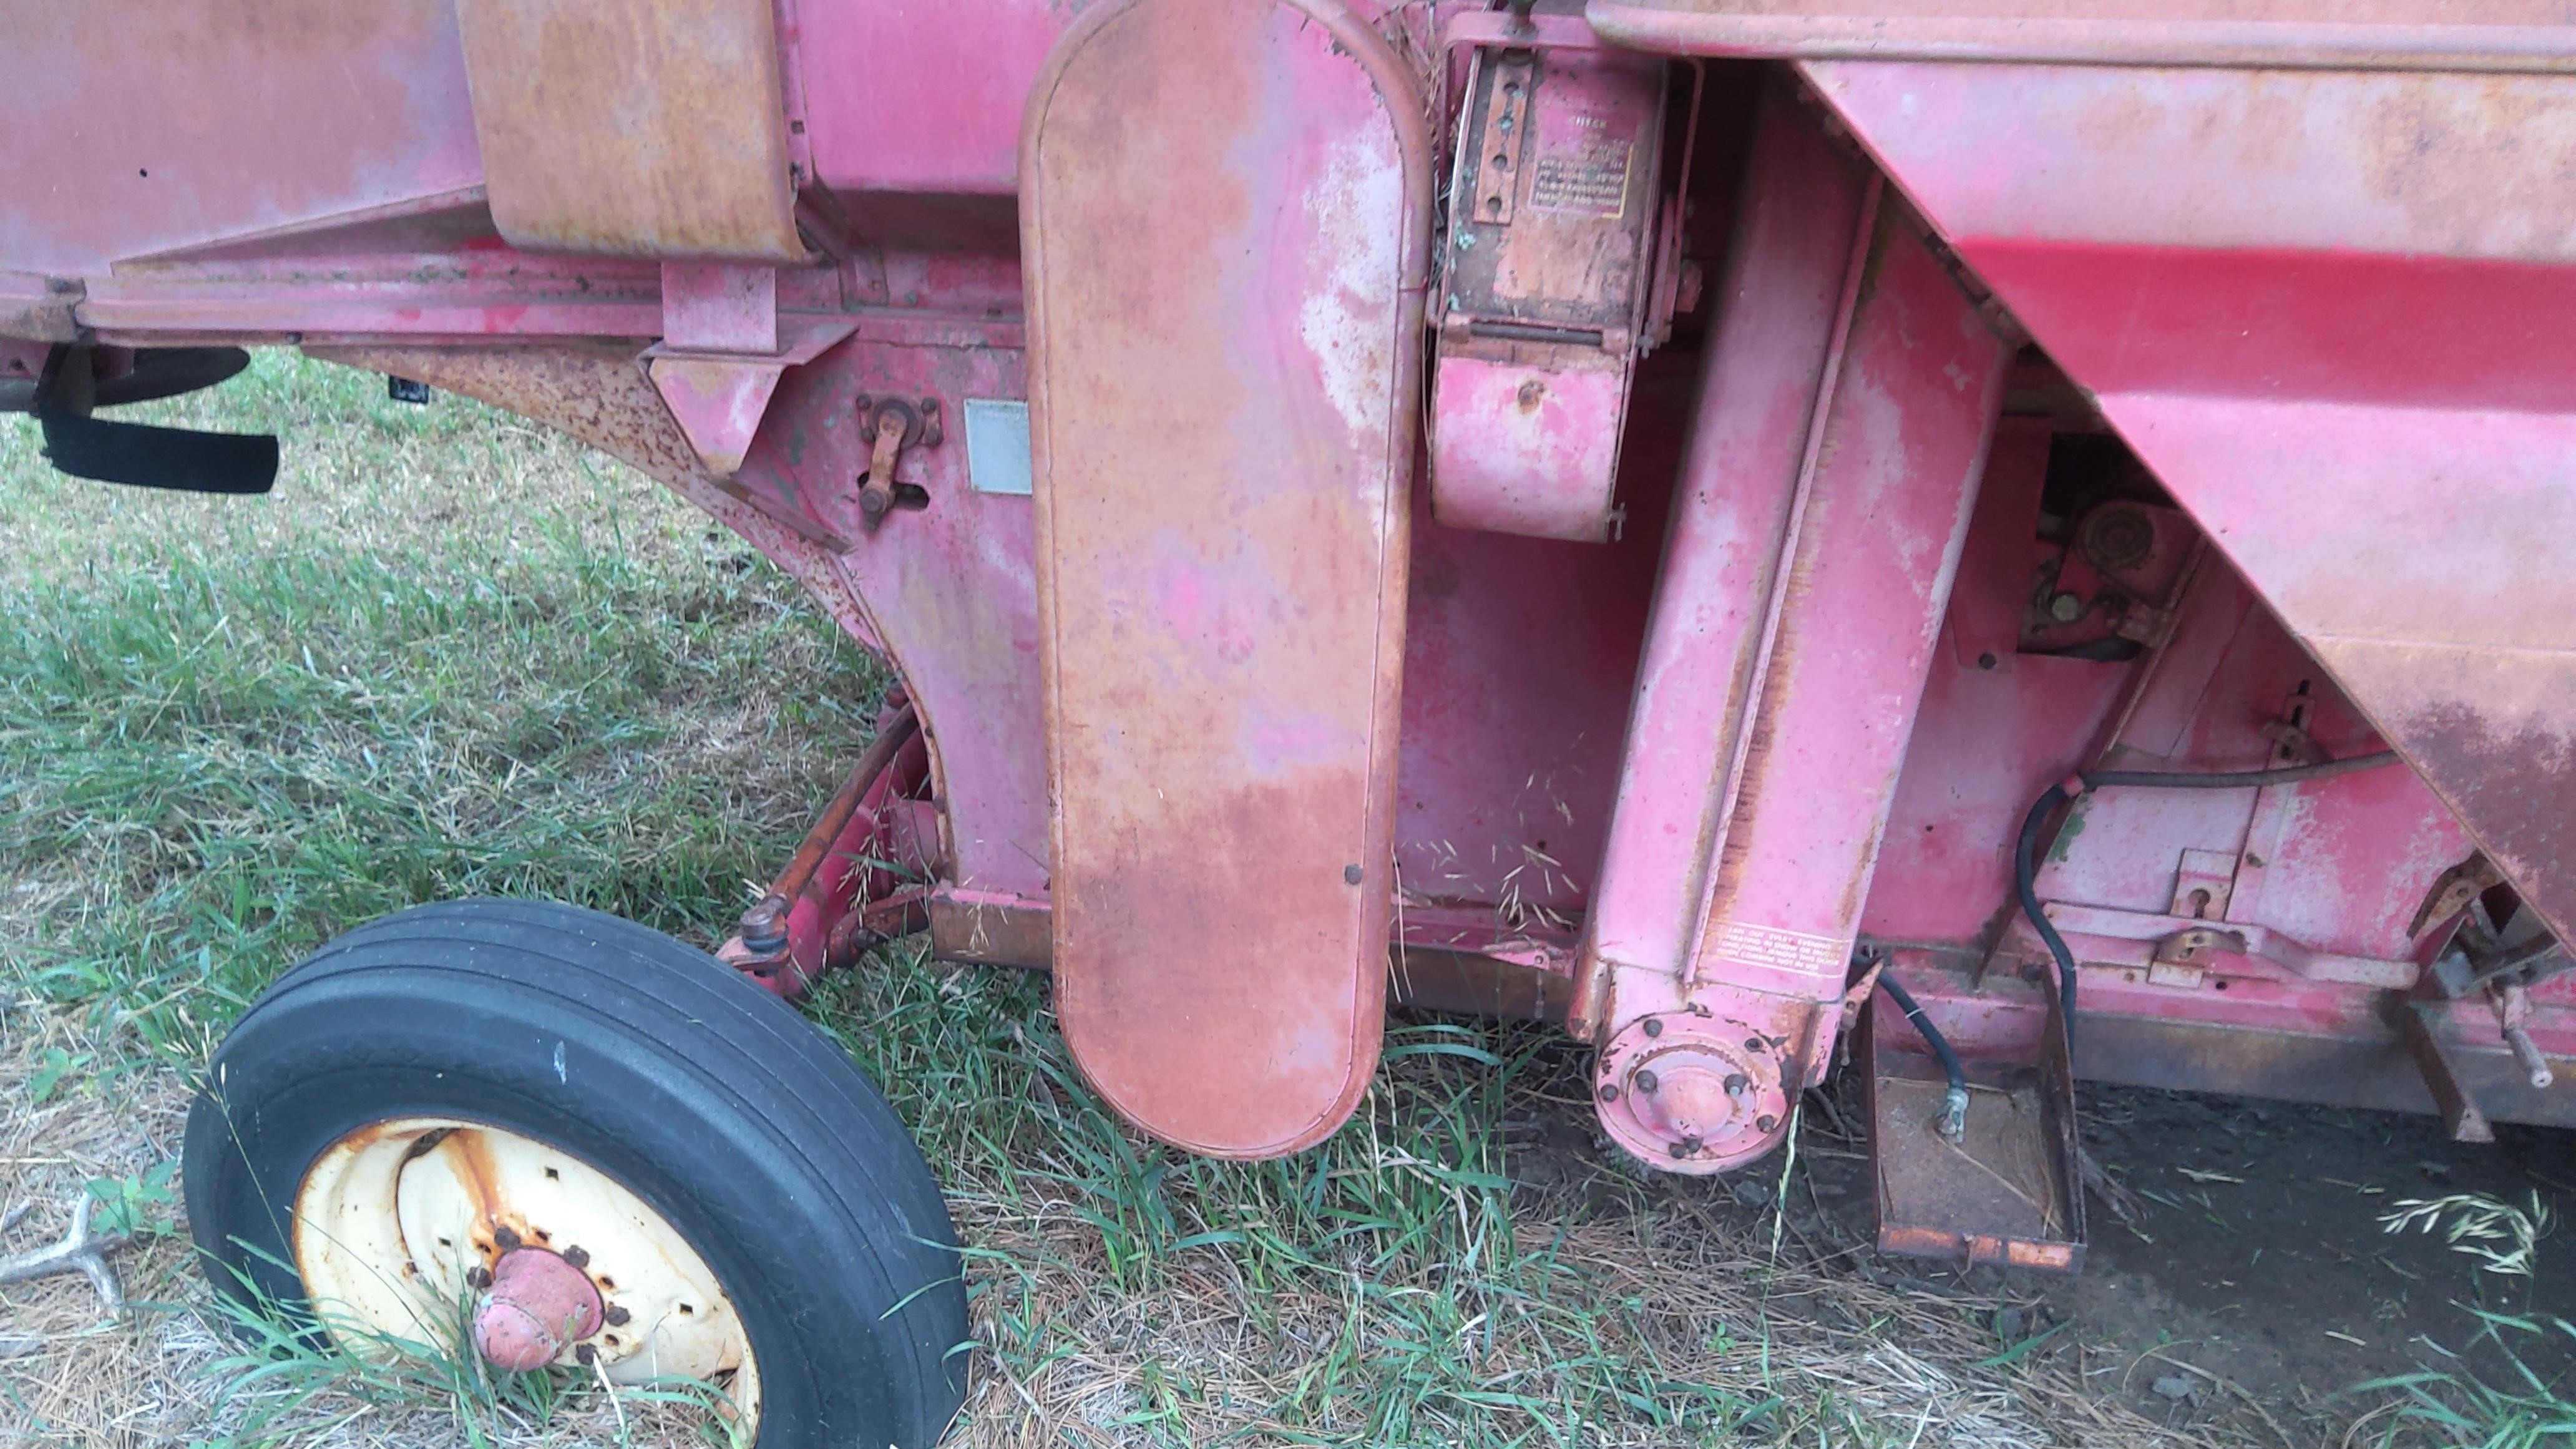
pixel 1691 1094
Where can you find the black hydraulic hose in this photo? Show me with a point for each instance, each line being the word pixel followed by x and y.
pixel 1954 1107
pixel 2238 779
pixel 2026 884
pixel 2026 849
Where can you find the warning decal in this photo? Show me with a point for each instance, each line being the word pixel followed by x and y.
pixel 1769 946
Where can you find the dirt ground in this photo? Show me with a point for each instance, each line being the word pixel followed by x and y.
pixel 2256 1286
pixel 2261 1255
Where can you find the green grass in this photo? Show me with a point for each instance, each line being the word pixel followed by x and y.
pixel 230 729
pixel 454 655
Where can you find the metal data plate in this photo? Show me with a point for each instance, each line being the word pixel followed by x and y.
pixel 1553 204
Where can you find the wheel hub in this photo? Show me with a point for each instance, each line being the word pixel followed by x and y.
pixel 539 1304
pixel 403 1221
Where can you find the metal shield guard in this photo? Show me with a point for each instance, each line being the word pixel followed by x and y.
pixel 1224 215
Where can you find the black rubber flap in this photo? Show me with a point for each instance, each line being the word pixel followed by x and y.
pixel 149 457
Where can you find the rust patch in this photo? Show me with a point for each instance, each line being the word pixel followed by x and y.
pixel 642 128
pixel 2463 155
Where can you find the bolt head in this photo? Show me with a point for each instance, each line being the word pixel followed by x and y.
pixel 2064 607
pixel 617 1315
pixel 1765 1122
pixel 1645 1081
pixel 1609 1092
pixel 577 1256
pixel 1653 1026
pixel 505 1239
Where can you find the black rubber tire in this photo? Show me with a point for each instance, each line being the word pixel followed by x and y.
pixel 748 1130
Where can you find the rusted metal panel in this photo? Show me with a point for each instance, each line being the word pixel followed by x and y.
pixel 1546 271
pixel 917 139
pixel 2009 1192
pixel 1802 594
pixel 653 129
pixel 1222 407
pixel 2510 35
pixel 2398 172
pixel 1777 317
pixel 1897 459
pixel 2336 343
pixel 38 309
pixel 991 928
pixel 140 125
pixel 952 584
pixel 2299 1042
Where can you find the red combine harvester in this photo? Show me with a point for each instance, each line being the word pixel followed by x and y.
pixel 1681 517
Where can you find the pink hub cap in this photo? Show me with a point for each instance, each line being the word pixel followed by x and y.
pixel 538 1305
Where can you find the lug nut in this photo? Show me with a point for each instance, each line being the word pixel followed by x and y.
pixel 1736 1084
pixel 505 1238
pixel 1765 1122
pixel 576 1256
pixel 1645 1081
pixel 617 1315
pixel 1609 1092
pixel 1654 1026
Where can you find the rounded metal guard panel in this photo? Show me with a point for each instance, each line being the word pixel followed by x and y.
pixel 1225 217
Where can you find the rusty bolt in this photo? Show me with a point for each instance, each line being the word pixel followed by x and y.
pixel 1654 1027
pixel 1765 1122
pixel 1645 1081
pixel 1609 1092
pixel 577 1256
pixel 1736 1083
pixel 617 1315
pixel 764 926
pixel 505 1238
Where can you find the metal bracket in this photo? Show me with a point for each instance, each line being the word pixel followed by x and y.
pixel 891 425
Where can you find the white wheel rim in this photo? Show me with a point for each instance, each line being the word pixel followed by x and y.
pixel 392 1218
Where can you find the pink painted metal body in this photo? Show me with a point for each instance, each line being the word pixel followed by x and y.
pixel 1721 640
